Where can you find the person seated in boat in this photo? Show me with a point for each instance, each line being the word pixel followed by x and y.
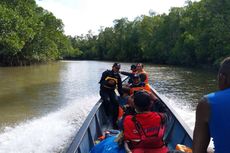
pixel 143 74
pixel 130 74
pixel 123 101
pixel 137 85
pixel 144 131
pixel 129 109
pixel 123 105
pixel 124 98
pixel 110 80
pixel 212 115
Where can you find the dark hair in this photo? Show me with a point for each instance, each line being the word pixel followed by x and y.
pixel 225 67
pixel 133 67
pixel 126 90
pixel 142 100
pixel 140 64
pixel 117 65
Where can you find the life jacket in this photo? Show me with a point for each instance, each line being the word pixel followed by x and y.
pixel 146 74
pixel 122 101
pixel 120 113
pixel 112 79
pixel 138 87
pixel 144 130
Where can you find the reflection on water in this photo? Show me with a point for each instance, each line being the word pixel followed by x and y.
pixel 54 99
pixel 185 85
pixel 26 90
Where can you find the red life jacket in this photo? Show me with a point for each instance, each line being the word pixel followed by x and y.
pixel 144 130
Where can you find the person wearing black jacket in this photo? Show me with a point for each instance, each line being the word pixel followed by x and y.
pixel 110 80
pixel 130 74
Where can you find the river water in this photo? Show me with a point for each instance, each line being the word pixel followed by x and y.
pixel 42 107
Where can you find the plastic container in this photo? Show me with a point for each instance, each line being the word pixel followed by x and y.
pixel 183 148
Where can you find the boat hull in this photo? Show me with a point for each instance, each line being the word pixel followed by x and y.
pixel 96 122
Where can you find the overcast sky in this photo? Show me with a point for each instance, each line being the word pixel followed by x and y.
pixel 80 16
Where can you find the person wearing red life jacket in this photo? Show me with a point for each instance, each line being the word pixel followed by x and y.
pixel 144 131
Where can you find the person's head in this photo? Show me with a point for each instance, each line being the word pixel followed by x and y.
pixel 224 74
pixel 142 101
pixel 136 79
pixel 133 68
pixel 126 91
pixel 116 67
pixel 139 67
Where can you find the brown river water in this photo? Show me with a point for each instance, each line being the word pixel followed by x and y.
pixel 42 106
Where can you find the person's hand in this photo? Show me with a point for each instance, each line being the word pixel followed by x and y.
pixel 210 150
pixel 127 150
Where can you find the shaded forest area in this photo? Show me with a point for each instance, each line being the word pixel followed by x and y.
pixel 193 35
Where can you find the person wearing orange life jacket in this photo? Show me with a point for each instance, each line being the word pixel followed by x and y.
pixel 138 85
pixel 144 75
pixel 144 131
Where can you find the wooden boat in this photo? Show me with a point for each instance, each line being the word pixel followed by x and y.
pixel 177 131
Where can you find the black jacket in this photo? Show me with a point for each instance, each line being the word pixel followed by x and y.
pixel 110 75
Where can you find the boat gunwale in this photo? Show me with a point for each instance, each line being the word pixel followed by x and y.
pixel 177 116
pixel 78 137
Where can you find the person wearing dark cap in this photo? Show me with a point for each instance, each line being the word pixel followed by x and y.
pixel 110 80
pixel 130 74
pixel 144 131
pixel 133 68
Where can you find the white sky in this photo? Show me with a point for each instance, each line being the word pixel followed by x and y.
pixel 80 16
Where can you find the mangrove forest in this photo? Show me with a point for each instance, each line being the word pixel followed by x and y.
pixel 193 35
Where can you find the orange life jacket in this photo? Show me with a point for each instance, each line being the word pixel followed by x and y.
pixel 146 132
pixel 146 74
pixel 120 113
pixel 141 86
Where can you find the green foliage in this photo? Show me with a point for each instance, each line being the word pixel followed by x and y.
pixel 195 34
pixel 29 34
pixel 192 35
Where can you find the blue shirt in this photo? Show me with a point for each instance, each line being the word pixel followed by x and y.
pixel 219 122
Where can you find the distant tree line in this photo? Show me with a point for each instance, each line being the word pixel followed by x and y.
pixel 196 34
pixel 29 34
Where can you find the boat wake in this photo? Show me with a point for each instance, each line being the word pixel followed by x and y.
pixel 184 111
pixel 48 134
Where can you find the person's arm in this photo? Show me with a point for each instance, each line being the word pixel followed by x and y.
pixel 102 80
pixel 127 149
pixel 119 86
pixel 201 135
pixel 127 73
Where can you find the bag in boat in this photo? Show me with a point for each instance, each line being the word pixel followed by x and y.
pixel 108 145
